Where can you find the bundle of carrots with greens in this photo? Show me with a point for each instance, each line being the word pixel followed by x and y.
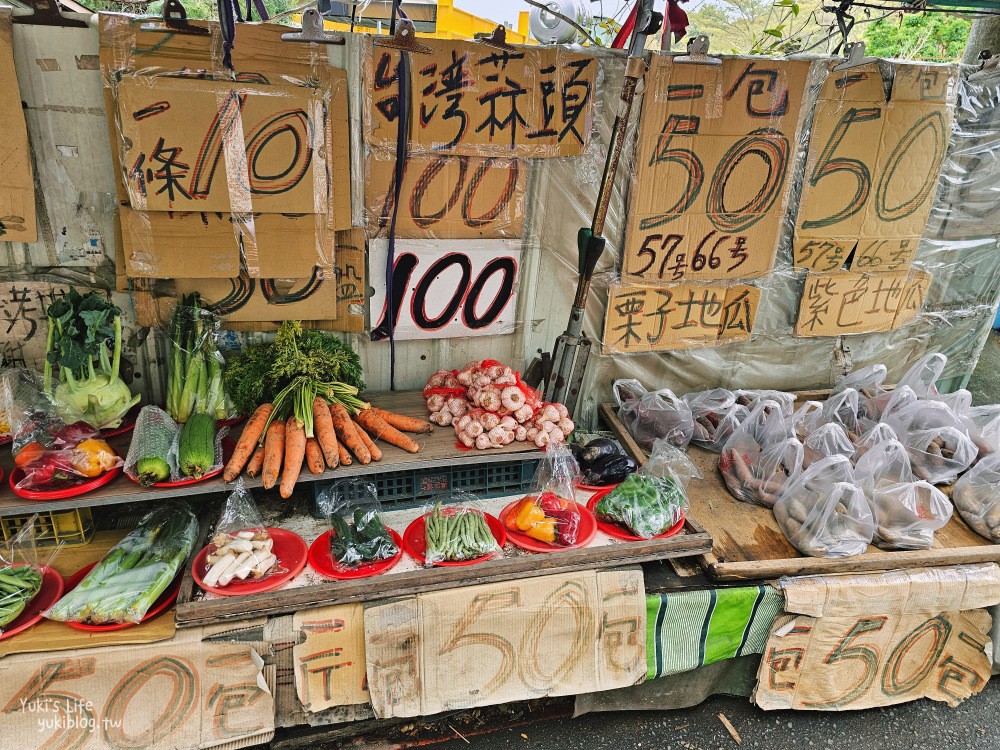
pixel 302 391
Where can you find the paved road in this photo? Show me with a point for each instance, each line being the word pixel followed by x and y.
pixel 921 724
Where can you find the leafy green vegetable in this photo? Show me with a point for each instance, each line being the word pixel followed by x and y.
pixel 286 372
pixel 80 327
pixel 646 505
pixel 195 381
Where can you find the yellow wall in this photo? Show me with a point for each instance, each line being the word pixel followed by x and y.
pixel 455 23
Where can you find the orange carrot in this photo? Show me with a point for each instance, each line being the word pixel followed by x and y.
pixel 314 456
pixel 274 449
pixel 348 435
pixel 377 428
pixel 295 453
pixel 369 443
pixel 403 422
pixel 256 462
pixel 249 439
pixel 345 455
pixel 326 436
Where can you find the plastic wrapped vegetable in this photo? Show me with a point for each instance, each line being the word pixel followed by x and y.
pixel 654 499
pixel 457 532
pixel 761 456
pixel 879 433
pixel 242 548
pixel 830 439
pixel 823 513
pixel 716 417
pixel 650 415
pixel 21 573
pixel 906 512
pixel 751 399
pixel 922 376
pixel 983 423
pixel 977 496
pixel 125 584
pixel 152 454
pixel 59 455
pixel 194 384
pixel 937 440
pixel 360 537
pixel 602 461
pixel 868 379
pixel 549 512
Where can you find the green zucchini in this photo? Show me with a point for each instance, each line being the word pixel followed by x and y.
pixel 156 438
pixel 196 452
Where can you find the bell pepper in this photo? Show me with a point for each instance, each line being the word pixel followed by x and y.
pixel 71 435
pixel 543 530
pixel 92 457
pixel 30 452
pixel 528 515
pixel 550 502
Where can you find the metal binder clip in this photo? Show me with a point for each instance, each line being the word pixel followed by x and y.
pixel 313 31
pixel 854 56
pixel 46 13
pixel 175 21
pixel 697 52
pixel 497 39
pixel 405 39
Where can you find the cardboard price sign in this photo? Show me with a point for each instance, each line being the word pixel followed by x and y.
pixel 198 145
pixel 834 304
pixel 180 694
pixel 471 99
pixel 554 635
pixel 157 244
pixel 678 316
pixel 330 667
pixel 18 222
pixel 446 288
pixel 336 299
pixel 841 662
pixel 712 162
pixel 448 196
pixel 873 164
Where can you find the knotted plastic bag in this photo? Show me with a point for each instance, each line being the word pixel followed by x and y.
pixel 823 513
pixel 936 439
pixel 761 456
pixel 649 415
pixel 977 496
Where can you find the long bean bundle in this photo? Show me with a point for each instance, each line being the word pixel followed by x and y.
pixel 125 584
pixel 18 586
pixel 457 534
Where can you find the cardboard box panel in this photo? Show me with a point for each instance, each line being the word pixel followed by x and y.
pixel 184 693
pixel 835 304
pixel 712 165
pixel 872 166
pixel 447 196
pixel 216 146
pixel 330 667
pixel 472 99
pixel 677 316
pixel 178 244
pixel 553 635
pixel 18 219
pixel 447 288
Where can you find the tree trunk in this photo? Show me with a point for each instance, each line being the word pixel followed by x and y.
pixel 984 34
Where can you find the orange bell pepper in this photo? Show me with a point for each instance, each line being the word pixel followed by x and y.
pixel 92 457
pixel 29 453
pixel 528 515
pixel 543 531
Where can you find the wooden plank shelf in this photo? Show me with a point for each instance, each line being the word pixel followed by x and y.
pixel 436 450
pixel 750 546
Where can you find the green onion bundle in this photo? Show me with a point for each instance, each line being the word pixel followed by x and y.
pixel 125 584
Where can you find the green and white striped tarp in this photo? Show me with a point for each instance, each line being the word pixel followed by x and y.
pixel 689 629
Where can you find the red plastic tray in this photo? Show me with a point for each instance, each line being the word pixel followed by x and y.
pixel 66 492
pixel 48 594
pixel 323 563
pixel 586 532
pixel 596 487
pixel 619 532
pixel 291 551
pixel 415 539
pixel 228 446
pixel 163 602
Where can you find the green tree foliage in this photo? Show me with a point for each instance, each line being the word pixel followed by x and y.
pixel 200 9
pixel 933 37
